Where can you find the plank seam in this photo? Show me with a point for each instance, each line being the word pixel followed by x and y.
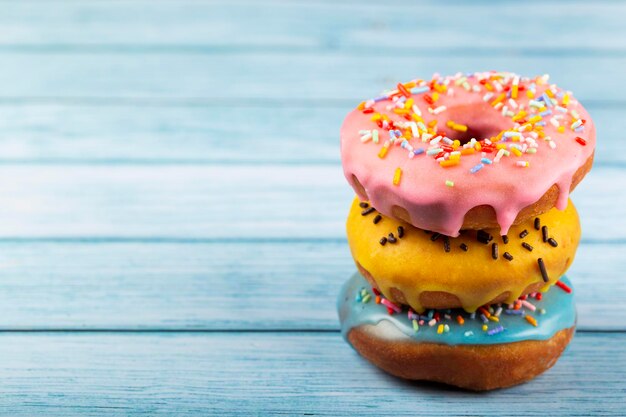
pixel 320 49
pixel 218 240
pixel 227 102
pixel 195 162
pixel 210 331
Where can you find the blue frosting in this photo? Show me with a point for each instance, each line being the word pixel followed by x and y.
pixel 558 305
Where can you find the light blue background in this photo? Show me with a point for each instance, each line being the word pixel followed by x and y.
pixel 172 203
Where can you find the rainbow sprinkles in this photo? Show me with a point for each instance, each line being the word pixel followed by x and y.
pixel 534 316
pixel 409 118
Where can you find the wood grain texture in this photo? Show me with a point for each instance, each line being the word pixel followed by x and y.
pixel 333 25
pixel 171 133
pixel 275 374
pixel 171 194
pixel 236 77
pixel 220 201
pixel 240 285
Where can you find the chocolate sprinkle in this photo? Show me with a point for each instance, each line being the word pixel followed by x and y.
pixel 435 236
pixel 505 239
pixel 507 256
pixel 542 268
pixel 537 223
pixel 483 237
pixel 377 219
pixel 544 233
pixel 464 247
pixel 382 241
pixel 527 246
pixel 446 243
pixel 391 238
pixel 400 232
pixel 523 234
pixel 368 211
pixel 553 243
pixel 494 250
pixel 363 204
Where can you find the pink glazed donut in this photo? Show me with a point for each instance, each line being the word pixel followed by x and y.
pixel 469 151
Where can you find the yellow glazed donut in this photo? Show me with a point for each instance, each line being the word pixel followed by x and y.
pixel 426 270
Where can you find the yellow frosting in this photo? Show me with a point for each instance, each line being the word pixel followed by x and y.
pixel 415 264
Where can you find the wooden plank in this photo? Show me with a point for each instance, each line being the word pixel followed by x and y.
pixel 252 374
pixel 51 133
pixel 357 388
pixel 312 25
pixel 222 202
pixel 213 285
pixel 233 77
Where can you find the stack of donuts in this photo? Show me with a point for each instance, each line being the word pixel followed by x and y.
pixel 462 229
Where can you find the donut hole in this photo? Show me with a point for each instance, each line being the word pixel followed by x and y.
pixel 481 119
pixel 477 132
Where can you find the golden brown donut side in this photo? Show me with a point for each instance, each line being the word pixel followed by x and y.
pixel 473 367
pixel 484 217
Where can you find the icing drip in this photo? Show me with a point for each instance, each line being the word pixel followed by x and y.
pixel 419 262
pixel 551 154
pixel 558 304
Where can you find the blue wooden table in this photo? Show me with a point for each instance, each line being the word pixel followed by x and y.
pixel 172 203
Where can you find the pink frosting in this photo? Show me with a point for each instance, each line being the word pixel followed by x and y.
pixel 503 185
